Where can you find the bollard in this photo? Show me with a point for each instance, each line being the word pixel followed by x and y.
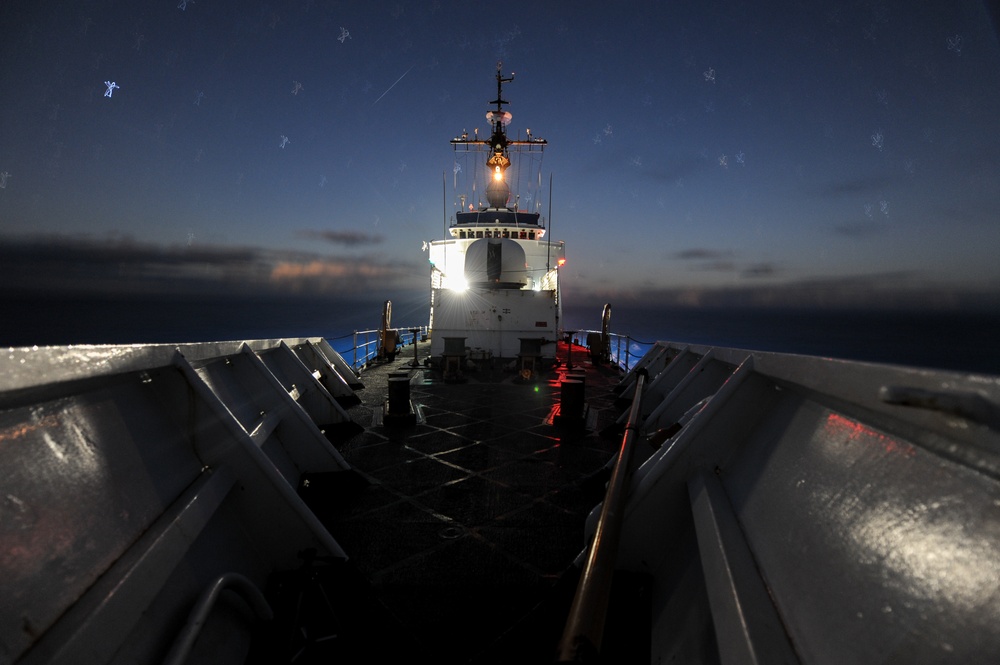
pixel 399 396
pixel 398 409
pixel 453 359
pixel 572 405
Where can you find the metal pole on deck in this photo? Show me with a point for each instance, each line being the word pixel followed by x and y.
pixel 415 363
pixel 444 217
pixel 548 245
pixel 581 638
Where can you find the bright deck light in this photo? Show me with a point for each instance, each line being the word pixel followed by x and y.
pixel 456 283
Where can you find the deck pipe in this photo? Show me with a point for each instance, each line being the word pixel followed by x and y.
pixel 584 631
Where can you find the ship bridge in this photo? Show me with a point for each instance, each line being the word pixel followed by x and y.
pixel 497 223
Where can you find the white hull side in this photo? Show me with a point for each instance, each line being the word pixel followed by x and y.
pixel 494 320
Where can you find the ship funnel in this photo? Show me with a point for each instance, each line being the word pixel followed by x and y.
pixel 495 263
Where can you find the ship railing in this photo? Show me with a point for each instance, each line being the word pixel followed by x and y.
pixel 625 351
pixel 250 592
pixel 581 638
pixel 361 346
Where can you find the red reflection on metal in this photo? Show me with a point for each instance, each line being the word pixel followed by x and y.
pixel 840 426
pixel 24 429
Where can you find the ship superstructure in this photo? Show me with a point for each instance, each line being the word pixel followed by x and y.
pixel 495 276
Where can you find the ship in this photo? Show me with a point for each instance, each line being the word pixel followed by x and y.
pixel 490 487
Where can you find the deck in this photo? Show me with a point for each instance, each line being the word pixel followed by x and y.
pixel 180 500
pixel 467 519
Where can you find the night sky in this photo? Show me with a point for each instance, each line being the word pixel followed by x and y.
pixel 787 153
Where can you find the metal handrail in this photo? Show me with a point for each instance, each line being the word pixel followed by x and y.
pixel 199 614
pixel 620 342
pixel 369 346
pixel 584 629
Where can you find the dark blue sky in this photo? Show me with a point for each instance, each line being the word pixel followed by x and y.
pixel 701 152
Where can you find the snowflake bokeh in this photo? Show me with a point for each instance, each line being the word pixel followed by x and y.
pixel 878 140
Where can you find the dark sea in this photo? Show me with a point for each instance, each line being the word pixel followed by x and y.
pixel 964 341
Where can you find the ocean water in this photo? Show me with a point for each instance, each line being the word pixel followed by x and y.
pixel 965 341
pixel 26 321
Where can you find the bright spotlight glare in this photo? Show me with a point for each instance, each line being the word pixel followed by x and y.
pixel 456 284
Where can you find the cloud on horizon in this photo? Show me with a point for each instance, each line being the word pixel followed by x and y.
pixel 723 261
pixel 66 265
pixel 901 290
pixel 760 270
pixel 702 254
pixel 345 238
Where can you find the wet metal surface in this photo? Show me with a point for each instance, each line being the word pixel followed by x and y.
pixel 471 514
pixel 910 570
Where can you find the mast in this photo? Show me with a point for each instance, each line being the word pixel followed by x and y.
pixel 498 190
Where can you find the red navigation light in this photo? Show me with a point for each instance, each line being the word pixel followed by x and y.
pixel 562 262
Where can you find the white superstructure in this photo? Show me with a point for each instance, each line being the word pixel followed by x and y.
pixel 495 279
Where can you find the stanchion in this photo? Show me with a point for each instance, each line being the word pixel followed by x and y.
pixel 415 363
